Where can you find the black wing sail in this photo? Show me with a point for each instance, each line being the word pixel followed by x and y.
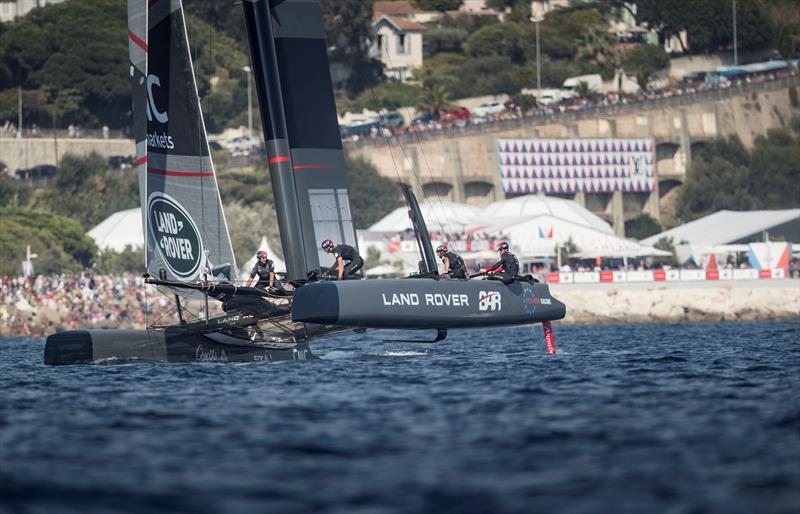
pixel 185 228
pixel 304 148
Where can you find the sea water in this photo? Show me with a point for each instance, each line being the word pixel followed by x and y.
pixel 639 419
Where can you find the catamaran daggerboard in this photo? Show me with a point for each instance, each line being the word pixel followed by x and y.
pixel 187 245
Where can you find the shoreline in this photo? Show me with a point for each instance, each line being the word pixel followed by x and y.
pixel 680 303
pixel 587 304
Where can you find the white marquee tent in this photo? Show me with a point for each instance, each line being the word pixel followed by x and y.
pixel 121 229
pixel 453 217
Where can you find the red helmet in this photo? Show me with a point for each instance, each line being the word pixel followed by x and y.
pixel 502 246
pixel 261 254
pixel 327 244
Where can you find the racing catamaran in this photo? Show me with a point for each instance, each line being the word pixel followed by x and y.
pixel 187 245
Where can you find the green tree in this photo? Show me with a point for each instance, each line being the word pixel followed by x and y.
pixel 129 260
pixel 247 189
pixel 350 39
pixel 709 23
pixel 666 244
pixel 433 99
pixel 597 47
pixel 443 39
pixel 87 192
pixel 775 170
pixel 713 185
pixel 247 223
pixel 525 103
pixel 390 95
pixel 438 5
pixel 641 227
pixel 506 39
pixel 372 196
pixel 643 61
pixel 444 69
pixel 62 243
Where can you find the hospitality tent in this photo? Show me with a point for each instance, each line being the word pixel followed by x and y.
pixel 732 227
pixel 121 229
pixel 538 236
pixel 529 206
pixel 440 216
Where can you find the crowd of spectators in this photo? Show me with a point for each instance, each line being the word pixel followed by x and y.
pixel 43 304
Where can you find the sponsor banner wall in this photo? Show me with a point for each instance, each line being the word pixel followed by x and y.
pixel 607 277
pixel 745 274
pixel 576 165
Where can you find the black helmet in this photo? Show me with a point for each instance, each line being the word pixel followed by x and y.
pixel 502 246
pixel 327 244
pixel 441 248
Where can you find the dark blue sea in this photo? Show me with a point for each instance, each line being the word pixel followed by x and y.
pixel 701 418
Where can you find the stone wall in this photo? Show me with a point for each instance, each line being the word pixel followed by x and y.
pixel 679 305
pixel 28 152
pixel 678 127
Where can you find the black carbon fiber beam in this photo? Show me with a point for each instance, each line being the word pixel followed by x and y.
pixel 258 20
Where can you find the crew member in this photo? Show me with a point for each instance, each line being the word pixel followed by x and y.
pixel 265 269
pixel 453 263
pixel 506 269
pixel 343 253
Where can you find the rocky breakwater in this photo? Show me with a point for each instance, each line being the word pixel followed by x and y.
pixel 673 304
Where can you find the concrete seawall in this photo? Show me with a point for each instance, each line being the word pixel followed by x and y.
pixel 744 301
pixel 586 304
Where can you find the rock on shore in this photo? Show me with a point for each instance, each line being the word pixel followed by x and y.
pixel 675 305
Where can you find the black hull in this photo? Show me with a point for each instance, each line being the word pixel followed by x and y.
pixel 421 303
pixel 169 345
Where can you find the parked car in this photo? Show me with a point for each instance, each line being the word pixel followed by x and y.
pixel 392 119
pixel 489 109
pixel 455 115
pixel 42 171
pixel 423 118
pixel 242 145
pixel 359 129
pixel 120 162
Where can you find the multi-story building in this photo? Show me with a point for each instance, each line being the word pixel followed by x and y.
pixel 398 38
pixel 16 8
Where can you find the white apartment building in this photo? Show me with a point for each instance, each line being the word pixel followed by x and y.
pixel 16 8
pixel 398 44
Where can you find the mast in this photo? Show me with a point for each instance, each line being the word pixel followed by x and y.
pixel 304 146
pixel 420 230
pixel 273 118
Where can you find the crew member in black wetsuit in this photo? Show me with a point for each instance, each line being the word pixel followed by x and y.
pixel 453 263
pixel 506 269
pixel 265 269
pixel 343 253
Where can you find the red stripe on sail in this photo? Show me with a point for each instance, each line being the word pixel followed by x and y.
pixel 140 161
pixel 137 41
pixel 175 173
pixel 278 159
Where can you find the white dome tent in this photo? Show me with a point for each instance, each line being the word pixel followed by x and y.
pixel 524 207
pixel 121 229
pixel 453 217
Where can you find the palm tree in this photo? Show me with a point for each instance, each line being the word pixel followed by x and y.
pixel 583 90
pixel 596 45
pixel 433 98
